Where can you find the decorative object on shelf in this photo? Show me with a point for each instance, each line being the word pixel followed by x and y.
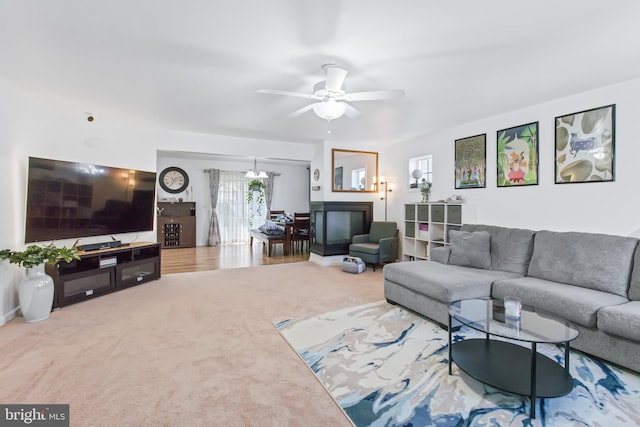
pixel 173 180
pixel 253 173
pixel 517 155
pixel 425 190
pixel 36 291
pixel 384 194
pixel 470 162
pixel 316 174
pixel 416 174
pixel 585 146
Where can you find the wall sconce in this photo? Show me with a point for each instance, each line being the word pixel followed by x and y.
pixel 384 194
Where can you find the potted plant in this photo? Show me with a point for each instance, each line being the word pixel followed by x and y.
pixel 255 187
pixel 425 189
pixel 36 291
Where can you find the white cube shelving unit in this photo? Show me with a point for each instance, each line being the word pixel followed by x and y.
pixel 427 226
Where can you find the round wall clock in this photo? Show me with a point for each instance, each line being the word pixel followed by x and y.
pixel 316 174
pixel 173 180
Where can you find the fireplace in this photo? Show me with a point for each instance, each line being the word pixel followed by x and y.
pixel 333 225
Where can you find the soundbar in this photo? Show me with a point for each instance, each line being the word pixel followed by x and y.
pixel 101 245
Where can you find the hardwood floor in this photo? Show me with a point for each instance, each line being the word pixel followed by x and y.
pixel 201 258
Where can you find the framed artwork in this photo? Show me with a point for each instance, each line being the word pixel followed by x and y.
pixel 470 162
pixel 517 155
pixel 585 146
pixel 337 178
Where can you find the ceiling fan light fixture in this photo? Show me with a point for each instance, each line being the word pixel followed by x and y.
pixel 329 109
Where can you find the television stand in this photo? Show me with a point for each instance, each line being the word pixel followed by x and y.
pixel 102 271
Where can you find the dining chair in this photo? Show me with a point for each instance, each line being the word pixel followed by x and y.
pixel 275 214
pixel 300 232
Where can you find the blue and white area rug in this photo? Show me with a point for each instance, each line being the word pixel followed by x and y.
pixel 386 366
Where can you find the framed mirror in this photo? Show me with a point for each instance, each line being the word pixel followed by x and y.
pixel 354 171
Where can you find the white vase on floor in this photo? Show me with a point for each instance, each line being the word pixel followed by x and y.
pixel 36 294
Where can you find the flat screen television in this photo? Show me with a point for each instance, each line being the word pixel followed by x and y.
pixel 67 200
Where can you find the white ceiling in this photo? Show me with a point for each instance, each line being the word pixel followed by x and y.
pixel 195 65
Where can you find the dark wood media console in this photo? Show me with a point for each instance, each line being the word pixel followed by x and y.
pixel 104 271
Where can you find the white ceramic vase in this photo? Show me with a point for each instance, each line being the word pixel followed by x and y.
pixel 36 294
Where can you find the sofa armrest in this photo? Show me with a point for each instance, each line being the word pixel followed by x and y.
pixel 360 238
pixel 440 254
pixel 388 249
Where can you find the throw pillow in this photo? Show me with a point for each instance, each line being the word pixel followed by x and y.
pixel 271 228
pixel 470 249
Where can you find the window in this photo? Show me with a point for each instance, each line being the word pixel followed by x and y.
pixel 425 165
pixel 358 179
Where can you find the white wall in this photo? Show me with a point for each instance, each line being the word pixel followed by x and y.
pixel 606 207
pixel 290 188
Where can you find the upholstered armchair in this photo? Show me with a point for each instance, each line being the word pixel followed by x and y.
pixel 379 246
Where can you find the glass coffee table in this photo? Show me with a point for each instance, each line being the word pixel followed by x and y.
pixel 505 365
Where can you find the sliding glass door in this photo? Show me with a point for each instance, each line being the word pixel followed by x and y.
pixel 235 214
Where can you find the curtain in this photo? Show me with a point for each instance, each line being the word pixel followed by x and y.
pixel 214 228
pixel 233 210
pixel 268 192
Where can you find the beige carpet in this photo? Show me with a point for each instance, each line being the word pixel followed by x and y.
pixel 189 349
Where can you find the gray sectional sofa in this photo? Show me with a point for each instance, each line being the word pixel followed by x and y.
pixel 592 280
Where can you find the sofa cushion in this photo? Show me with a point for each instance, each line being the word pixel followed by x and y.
pixel 367 248
pixel 622 320
pixel 634 286
pixel 440 254
pixel 441 282
pixel 574 303
pixel 511 248
pixel 470 249
pixel 595 261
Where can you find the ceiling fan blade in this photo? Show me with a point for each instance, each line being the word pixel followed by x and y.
pixel 374 95
pixel 335 78
pixel 301 111
pixel 284 92
pixel 351 112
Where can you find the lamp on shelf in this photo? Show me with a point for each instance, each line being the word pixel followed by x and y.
pixel 416 174
pixel 384 194
pixel 253 173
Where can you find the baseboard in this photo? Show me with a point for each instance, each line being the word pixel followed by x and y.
pixel 326 261
pixel 9 316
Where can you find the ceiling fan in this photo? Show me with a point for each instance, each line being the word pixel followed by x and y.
pixel 331 97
